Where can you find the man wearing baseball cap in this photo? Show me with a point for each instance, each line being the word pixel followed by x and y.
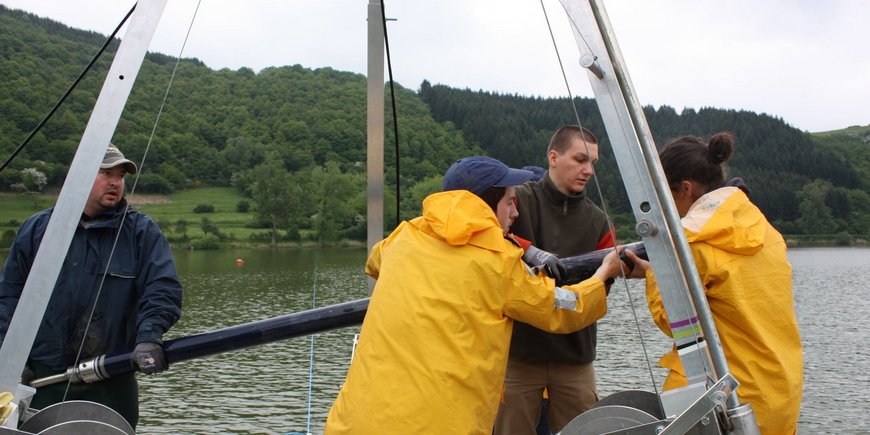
pixel 434 344
pixel 115 157
pixel 97 306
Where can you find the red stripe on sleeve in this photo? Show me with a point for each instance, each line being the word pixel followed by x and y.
pixel 523 242
pixel 607 240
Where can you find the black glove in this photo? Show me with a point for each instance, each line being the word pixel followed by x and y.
pixel 549 262
pixel 148 357
pixel 27 375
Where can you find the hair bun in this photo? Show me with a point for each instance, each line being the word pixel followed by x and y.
pixel 720 148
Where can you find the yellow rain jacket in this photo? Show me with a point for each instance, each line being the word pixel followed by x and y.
pixel 742 262
pixel 434 344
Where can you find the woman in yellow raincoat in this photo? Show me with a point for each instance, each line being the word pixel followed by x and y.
pixel 434 344
pixel 741 260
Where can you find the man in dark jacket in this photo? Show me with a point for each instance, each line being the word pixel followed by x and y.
pixel 99 307
pixel 555 215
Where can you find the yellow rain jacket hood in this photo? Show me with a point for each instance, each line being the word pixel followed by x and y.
pixel 434 344
pixel 741 260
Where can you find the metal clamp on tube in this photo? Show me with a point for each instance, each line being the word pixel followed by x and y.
pixel 92 371
pixel 88 371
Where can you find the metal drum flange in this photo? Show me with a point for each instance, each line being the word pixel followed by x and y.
pixel 76 411
pixel 645 401
pixel 82 427
pixel 604 419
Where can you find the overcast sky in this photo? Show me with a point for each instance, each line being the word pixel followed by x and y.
pixel 805 61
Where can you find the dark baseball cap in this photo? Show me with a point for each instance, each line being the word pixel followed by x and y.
pixel 478 173
pixel 115 157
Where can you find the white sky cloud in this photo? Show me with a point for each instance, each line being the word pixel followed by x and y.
pixel 805 61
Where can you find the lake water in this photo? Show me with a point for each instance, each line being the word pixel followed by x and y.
pixel 265 390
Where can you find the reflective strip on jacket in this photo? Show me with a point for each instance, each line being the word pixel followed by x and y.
pixel 741 260
pixel 434 344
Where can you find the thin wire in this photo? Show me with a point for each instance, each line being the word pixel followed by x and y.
pixel 565 77
pixel 685 301
pixel 395 118
pixel 598 189
pixel 311 352
pixel 68 91
pixel 165 97
pixel 132 191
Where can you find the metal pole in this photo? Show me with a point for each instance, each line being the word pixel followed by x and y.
pixel 74 193
pixel 658 222
pixel 672 217
pixel 375 129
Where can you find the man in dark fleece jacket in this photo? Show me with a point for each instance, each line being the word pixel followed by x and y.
pixel 556 216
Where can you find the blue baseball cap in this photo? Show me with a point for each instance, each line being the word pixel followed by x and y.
pixel 537 171
pixel 478 173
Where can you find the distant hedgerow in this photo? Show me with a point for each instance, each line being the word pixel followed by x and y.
pixel 243 206
pixel 203 208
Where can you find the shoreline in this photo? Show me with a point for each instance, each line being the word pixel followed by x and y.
pixel 356 244
pixel 826 242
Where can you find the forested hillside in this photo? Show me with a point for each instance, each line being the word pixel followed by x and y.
pixel 293 138
pixel 803 185
pixel 219 128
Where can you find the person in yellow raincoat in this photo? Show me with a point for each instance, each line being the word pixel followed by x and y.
pixel 741 260
pixel 434 344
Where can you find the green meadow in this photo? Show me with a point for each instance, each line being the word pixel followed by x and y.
pixel 174 214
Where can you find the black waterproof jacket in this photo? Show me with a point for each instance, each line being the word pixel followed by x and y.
pixel 139 301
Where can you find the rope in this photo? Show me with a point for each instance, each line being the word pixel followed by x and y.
pixel 311 352
pixel 707 368
pixel 395 117
pixel 687 308
pixel 132 191
pixel 68 91
pixel 598 189
pixel 165 97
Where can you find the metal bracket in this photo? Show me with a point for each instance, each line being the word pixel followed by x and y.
pixel 714 397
